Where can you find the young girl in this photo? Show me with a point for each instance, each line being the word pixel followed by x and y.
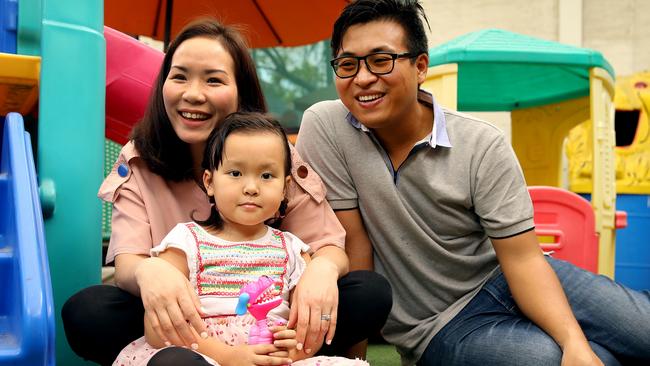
pixel 247 166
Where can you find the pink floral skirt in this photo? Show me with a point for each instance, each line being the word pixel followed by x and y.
pixel 232 330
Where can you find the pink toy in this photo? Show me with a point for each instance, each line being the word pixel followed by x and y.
pixel 259 298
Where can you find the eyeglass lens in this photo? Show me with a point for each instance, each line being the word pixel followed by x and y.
pixel 377 63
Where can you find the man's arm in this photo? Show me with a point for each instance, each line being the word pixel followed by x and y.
pixel 540 296
pixel 357 243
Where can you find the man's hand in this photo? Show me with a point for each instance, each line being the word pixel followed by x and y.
pixel 579 353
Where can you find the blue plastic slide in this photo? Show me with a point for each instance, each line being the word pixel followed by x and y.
pixel 26 305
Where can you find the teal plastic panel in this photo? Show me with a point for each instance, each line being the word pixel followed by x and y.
pixel 29 27
pixel 71 146
pixel 508 86
pixel 502 71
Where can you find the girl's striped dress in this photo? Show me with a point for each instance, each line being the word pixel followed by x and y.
pixel 218 269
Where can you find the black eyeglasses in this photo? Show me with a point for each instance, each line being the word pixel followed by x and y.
pixel 378 63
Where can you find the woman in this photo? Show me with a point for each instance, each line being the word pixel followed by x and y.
pixel 153 186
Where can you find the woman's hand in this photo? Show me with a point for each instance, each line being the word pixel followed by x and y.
pixel 579 353
pixel 171 305
pixel 315 297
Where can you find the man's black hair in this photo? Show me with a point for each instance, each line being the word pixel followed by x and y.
pixel 407 13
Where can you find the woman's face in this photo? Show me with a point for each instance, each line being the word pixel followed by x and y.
pixel 200 89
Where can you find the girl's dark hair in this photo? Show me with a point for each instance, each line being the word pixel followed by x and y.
pixel 158 145
pixel 407 13
pixel 247 122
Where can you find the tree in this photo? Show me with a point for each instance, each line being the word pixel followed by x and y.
pixel 289 74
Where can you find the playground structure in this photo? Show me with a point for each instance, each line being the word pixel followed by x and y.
pixel 68 41
pixel 26 313
pixel 632 151
pixel 549 88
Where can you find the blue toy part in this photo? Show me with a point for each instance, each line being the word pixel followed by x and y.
pixel 632 243
pixel 8 25
pixel 26 302
pixel 632 249
pixel 242 304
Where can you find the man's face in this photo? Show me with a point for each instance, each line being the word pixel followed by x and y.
pixel 380 101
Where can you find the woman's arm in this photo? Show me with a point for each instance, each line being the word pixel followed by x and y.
pixel 167 296
pixel 315 295
pixel 539 295
pixel 314 222
pixel 125 268
pixel 163 289
pixel 161 327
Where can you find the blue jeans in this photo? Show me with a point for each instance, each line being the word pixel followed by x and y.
pixel 491 330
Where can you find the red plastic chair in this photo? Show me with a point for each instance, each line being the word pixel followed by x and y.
pixel 565 226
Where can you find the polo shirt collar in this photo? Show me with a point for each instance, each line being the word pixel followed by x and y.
pixel 438 135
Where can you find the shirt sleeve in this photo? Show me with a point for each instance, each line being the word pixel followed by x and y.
pixel 318 146
pixel 500 196
pixel 179 237
pixel 297 265
pixel 130 228
pixel 309 216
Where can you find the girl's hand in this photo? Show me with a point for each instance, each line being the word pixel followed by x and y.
pixel 171 305
pixel 255 355
pixel 283 337
pixel 579 353
pixel 316 295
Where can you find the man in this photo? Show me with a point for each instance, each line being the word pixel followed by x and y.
pixel 441 199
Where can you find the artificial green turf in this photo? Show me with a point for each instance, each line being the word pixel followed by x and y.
pixel 382 355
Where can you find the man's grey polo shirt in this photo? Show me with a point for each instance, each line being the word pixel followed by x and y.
pixel 430 221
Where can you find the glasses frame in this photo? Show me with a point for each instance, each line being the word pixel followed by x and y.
pixel 393 56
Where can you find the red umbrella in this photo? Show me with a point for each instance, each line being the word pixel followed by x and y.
pixel 268 23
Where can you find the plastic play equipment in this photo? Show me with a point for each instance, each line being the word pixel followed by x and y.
pixel 549 88
pixel 67 37
pixel 129 81
pixel 26 306
pixel 565 225
pixel 632 102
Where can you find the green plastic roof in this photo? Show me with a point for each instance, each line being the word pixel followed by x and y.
pixel 502 71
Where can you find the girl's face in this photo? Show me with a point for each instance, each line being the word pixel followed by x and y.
pixel 249 184
pixel 200 89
